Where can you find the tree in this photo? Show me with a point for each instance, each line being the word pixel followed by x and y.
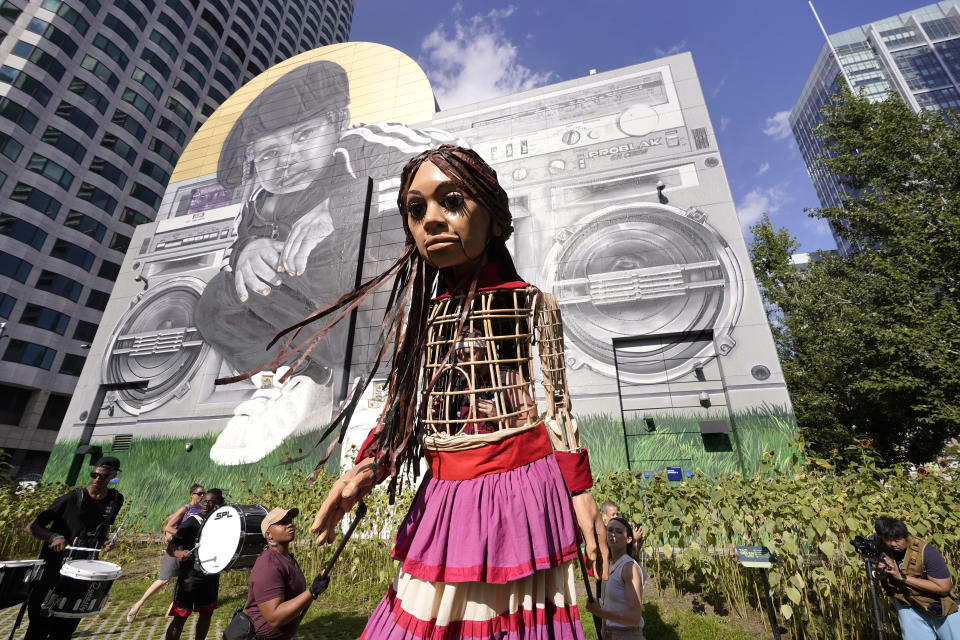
pixel 870 343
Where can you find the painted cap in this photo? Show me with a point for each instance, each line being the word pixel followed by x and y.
pixel 108 461
pixel 276 516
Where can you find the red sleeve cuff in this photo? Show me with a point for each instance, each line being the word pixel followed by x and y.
pixel 575 467
pixel 366 449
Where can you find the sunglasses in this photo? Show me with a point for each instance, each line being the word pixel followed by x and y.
pixel 198 493
pixel 94 475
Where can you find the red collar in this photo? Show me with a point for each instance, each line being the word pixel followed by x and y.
pixel 488 278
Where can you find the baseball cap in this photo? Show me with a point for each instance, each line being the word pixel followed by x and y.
pixel 108 461
pixel 275 516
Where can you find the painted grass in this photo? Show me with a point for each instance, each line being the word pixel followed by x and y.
pixel 158 471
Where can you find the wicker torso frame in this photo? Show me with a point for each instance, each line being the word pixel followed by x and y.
pixel 483 391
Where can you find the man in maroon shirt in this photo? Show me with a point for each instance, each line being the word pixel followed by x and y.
pixel 278 597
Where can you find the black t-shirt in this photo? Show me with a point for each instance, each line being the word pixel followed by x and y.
pixel 83 520
pixel 934 566
pixel 185 539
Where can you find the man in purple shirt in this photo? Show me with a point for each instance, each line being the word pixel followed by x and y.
pixel 278 597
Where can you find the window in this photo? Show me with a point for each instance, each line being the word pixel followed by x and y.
pixel 88 93
pixel 125 33
pixel 164 43
pixel 166 125
pixel 147 81
pixel 132 217
pixel 206 38
pixel 108 270
pixel 26 83
pixel 138 101
pixel 97 300
pixel 63 142
pixel 109 171
pixel 14 267
pixel 7 302
pixel 920 68
pixel 163 150
pixel 69 252
pixel 44 318
pixel 252 68
pixel 10 147
pixel 40 58
pixel 84 224
pixel 223 79
pixel 28 353
pixel 100 70
pixel 216 96
pixel 59 285
pixel 177 107
pixel 68 13
pixel 119 147
pixel 17 114
pixel 148 168
pixel 285 50
pixel 84 331
pixel 145 195
pixel 171 25
pixel 36 199
pixel 207 109
pixel 54 412
pixel 236 47
pixel 212 20
pixel 78 118
pixel 107 46
pixel 179 9
pixel 97 197
pixel 198 53
pixel 72 364
pixel 120 242
pixel 10 11
pixel 22 230
pixel 263 40
pixel 128 8
pixel 130 124
pixel 154 59
pixel 54 35
pixel 193 72
pixel 187 91
pixel 50 170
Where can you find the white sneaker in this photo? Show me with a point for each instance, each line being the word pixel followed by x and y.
pixel 273 413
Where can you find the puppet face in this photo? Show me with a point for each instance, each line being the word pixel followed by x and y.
pixel 449 229
pixel 287 160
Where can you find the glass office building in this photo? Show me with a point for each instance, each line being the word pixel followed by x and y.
pixel 916 54
pixel 98 98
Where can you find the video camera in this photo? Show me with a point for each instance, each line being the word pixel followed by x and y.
pixel 868 548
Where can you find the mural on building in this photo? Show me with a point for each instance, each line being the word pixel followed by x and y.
pixel 286 198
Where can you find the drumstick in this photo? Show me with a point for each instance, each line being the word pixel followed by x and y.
pixel 117 532
pixel 72 548
pixel 322 580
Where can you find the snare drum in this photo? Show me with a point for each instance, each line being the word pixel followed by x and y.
pixel 17 577
pixel 231 538
pixel 81 589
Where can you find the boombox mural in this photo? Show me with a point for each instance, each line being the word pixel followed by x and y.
pixel 286 198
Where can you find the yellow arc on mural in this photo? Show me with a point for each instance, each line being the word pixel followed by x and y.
pixel 385 85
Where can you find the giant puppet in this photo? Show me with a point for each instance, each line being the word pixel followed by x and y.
pixel 488 545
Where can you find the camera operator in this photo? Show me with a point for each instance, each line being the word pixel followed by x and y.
pixel 915 575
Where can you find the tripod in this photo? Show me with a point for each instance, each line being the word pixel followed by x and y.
pixel 877 611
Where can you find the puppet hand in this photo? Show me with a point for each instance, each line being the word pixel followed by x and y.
pixel 257 266
pixel 58 543
pixel 305 235
pixel 349 489
pixel 107 546
pixel 594 533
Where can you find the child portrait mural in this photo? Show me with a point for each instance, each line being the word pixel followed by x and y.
pixel 286 199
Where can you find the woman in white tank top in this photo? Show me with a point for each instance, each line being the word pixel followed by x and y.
pixel 622 604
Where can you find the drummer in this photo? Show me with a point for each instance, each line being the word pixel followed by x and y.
pixel 80 518
pixel 195 590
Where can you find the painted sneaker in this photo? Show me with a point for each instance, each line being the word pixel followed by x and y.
pixel 273 413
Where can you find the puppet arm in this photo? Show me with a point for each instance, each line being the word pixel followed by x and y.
pixel 571 456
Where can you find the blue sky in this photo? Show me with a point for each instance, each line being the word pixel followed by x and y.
pixel 752 57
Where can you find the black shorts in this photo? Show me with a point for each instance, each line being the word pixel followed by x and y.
pixel 195 593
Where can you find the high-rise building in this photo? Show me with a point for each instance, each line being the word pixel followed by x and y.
pixel 98 99
pixel 916 54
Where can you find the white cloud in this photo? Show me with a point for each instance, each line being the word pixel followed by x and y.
pixel 777 126
pixel 724 122
pixel 760 201
pixel 476 61
pixel 671 50
pixel 762 170
pixel 720 85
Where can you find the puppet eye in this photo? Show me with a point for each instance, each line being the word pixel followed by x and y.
pixel 267 156
pixel 416 209
pixel 305 134
pixel 453 202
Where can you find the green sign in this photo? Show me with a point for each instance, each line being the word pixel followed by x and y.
pixel 755 557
